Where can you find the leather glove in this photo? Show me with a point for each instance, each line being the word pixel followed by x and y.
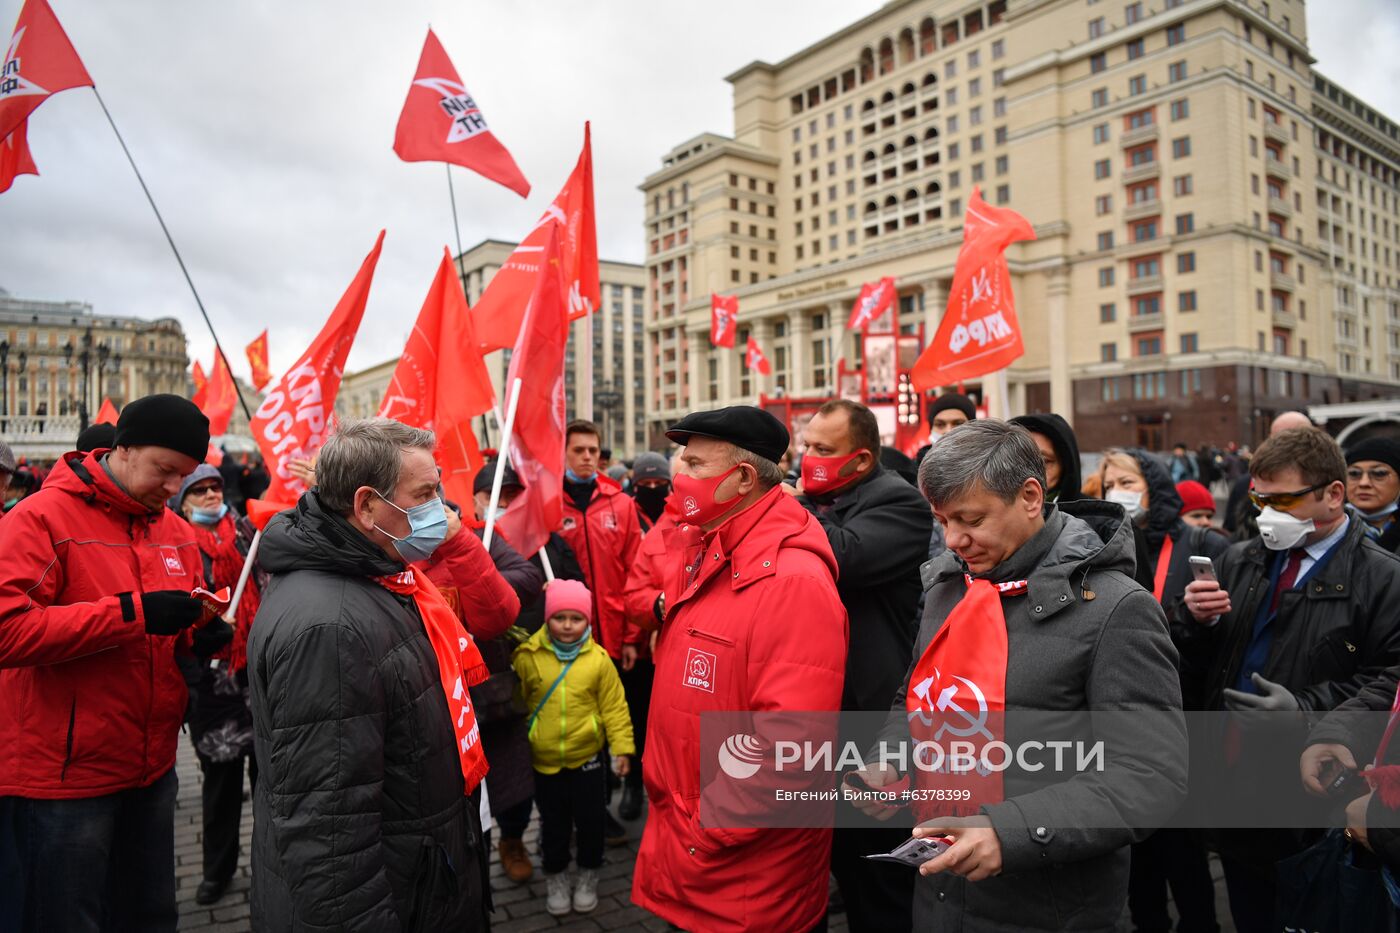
pixel 170 612
pixel 1272 698
pixel 210 638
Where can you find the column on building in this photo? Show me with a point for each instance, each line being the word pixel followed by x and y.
pixel 799 364
pixel 697 358
pixel 728 372
pixel 935 302
pixel 1057 318
pixel 842 345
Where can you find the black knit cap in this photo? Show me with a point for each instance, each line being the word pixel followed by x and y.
pixel 487 475
pixel 952 400
pixel 1381 449
pixel 744 426
pixel 96 437
pixel 167 421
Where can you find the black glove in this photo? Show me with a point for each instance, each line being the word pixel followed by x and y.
pixel 170 612
pixel 210 638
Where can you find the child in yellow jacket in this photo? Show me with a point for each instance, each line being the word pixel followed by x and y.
pixel 577 706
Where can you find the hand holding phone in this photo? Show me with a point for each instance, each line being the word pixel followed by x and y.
pixel 1202 568
pixel 914 851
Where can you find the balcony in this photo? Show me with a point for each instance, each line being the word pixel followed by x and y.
pixel 1282 281
pixel 1138 136
pixel 39 436
pixel 1276 132
pixel 1141 322
pixel 1281 207
pixel 1285 319
pixel 1144 284
pixel 1276 168
pixel 1138 173
pixel 1136 210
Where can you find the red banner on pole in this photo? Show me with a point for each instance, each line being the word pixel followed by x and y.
pixel 220 397
pixel 872 301
pixel 754 358
pixel 257 360
pixel 39 62
pixel 724 319
pixel 15 159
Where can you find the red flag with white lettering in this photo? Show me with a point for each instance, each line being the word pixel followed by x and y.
pixel 15 159
pixel 39 61
pixel 501 308
pixel 979 333
pixel 295 415
pixel 257 361
pixel 537 441
pixel 724 319
pixel 201 385
pixel 441 382
pixel 220 397
pixel 872 301
pixel 754 358
pixel 441 122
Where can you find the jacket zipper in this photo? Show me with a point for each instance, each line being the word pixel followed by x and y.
pixel 150 663
pixel 706 636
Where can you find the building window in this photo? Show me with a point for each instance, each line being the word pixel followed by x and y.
pixel 1181 109
pixel 1185 223
pixel 1102 168
pixel 1146 267
pixel 1145 305
pixel 1136 49
pixel 1103 204
pixel 1182 186
pixel 1105 276
pixel 1186 301
pixel 999 107
pixel 1100 133
pixel 1176 34
pixel 1188 343
pixel 1181 147
pixel 1108 313
pixel 1147 345
pixel 1142 155
pixel 998 49
pixel 1097 62
pixel 1003 163
pixel 1132 13
pixel 1096 27
pixel 1003 194
pixel 1099 98
pixel 1143 230
pixel 1108 352
pixel 1176 71
pixel 1106 240
pixel 1137 84
pixel 1185 262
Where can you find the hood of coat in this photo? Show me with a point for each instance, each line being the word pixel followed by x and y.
pixel 1163 501
pixel 753 538
pixel 1066 449
pixel 82 474
pixel 309 537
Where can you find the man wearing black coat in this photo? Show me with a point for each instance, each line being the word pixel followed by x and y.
pixel 879 527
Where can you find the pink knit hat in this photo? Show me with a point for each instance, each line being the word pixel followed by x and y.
pixel 568 594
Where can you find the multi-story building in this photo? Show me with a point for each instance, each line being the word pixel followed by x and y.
pixel 1218 226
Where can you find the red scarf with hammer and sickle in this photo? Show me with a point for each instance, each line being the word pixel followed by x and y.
pixel 957 694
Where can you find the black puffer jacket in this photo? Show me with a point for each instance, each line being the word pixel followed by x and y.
pixel 360 819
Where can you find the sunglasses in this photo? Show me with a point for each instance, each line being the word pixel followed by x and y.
pixel 204 490
pixel 1283 501
pixel 1377 474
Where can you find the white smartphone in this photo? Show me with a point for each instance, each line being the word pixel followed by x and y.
pixel 1202 568
pixel 914 852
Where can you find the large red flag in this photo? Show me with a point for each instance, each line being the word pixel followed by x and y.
pixel 15 159
pixel 979 333
pixel 724 319
pixel 872 301
pixel 293 419
pixel 537 441
pixel 501 308
pixel 441 122
pixel 201 385
pixel 107 414
pixel 220 396
pixel 441 382
pixel 39 61
pixel 257 360
pixel 754 358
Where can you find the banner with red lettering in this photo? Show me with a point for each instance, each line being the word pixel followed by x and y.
pixel 295 416
pixel 501 308
pixel 979 333
pixel 872 301
pixel 15 159
pixel 257 360
pixel 39 62
pixel 754 358
pixel 724 319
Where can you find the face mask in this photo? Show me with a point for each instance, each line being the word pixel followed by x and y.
pixel 693 500
pixel 427 527
pixel 573 477
pixel 821 475
pixel 11 503
pixel 1129 500
pixel 652 500
pixel 500 513
pixel 1380 513
pixel 1281 531
pixel 209 516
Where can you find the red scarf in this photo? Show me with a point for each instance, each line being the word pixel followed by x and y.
pixel 220 545
pixel 957 693
pixel 459 662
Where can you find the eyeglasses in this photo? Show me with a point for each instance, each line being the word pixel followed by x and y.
pixel 1377 474
pixel 1283 501
pixel 204 490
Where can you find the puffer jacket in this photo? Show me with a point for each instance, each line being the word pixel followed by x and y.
pixel 92 704
pixel 605 539
pixel 361 820
pixel 585 712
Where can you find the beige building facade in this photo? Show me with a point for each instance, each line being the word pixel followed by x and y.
pixel 1218 225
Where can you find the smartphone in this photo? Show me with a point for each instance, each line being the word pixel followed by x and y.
pixel 1202 568
pixel 914 852
pixel 1345 783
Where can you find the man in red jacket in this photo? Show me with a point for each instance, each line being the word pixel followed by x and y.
pixel 94 603
pixel 752 622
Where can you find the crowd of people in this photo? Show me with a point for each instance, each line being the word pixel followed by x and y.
pixel 403 697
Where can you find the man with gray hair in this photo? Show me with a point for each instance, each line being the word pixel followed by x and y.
pixel 368 752
pixel 1041 612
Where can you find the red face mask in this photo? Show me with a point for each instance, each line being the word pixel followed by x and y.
pixel 692 501
pixel 821 475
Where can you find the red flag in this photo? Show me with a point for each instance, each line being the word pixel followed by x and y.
pixel 501 308
pixel 441 122
pixel 15 159
pixel 724 319
pixel 201 385
pixel 441 382
pixel 294 417
pixel 220 397
pixel 537 440
pixel 107 414
pixel 979 333
pixel 754 358
pixel 39 61
pixel 872 301
pixel 257 359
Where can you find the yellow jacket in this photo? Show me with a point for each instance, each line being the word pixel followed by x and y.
pixel 587 708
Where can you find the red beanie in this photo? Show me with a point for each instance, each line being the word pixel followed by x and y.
pixel 568 594
pixel 1194 497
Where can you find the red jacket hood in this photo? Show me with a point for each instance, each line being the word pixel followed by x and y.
pixel 82 474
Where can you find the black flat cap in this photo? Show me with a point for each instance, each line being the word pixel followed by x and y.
pixel 487 475
pixel 744 426
pixel 168 421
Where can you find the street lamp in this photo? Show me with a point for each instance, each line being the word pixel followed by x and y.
pixel 609 400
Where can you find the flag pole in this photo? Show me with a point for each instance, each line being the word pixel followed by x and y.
pixel 548 570
pixel 243 577
pixel 452 196
pixel 501 462
pixel 218 347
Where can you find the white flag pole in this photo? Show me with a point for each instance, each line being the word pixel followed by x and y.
pixel 243 577
pixel 506 433
pixel 548 570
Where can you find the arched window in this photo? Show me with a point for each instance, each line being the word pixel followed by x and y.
pixel 871 207
pixel 891 201
pixel 867 65
pixel 886 56
pixel 910 141
pixel 888 150
pixel 912 194
pixel 928 37
pixel 907 89
pixel 868 157
pixel 930 79
pixel 887 97
pixel 932 189
pixel 930 134
pixel 906 46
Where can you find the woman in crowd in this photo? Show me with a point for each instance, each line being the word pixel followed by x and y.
pixel 1373 487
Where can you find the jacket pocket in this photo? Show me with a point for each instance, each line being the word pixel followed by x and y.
pixel 68 742
pixel 711 637
pixel 1337 657
pixel 434 885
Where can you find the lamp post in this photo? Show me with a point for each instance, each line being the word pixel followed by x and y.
pixel 85 357
pixel 609 400
pixel 5 378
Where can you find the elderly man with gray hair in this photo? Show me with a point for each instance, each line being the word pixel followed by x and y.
pixel 1039 609
pixel 368 751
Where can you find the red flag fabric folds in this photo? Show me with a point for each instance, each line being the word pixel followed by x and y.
pixel 501 308
pixel 754 358
pixel 39 61
pixel 220 397
pixel 107 414
pixel 201 385
pixel 295 416
pixel 441 122
pixel 724 319
pixel 537 441
pixel 257 360
pixel 872 301
pixel 979 333
pixel 15 159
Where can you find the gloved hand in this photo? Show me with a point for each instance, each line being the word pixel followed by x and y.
pixel 170 612
pixel 210 638
pixel 1272 698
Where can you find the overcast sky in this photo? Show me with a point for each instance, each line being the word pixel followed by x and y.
pixel 265 131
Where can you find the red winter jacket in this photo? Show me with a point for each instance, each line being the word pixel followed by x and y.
pixel 92 704
pixel 765 615
pixel 644 584
pixel 605 540
pixel 464 572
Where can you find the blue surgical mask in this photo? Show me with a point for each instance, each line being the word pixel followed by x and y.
pixel 209 517
pixel 573 477
pixel 500 513
pixel 427 527
pixel 1381 512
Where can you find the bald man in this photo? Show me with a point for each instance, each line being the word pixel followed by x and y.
pixel 1239 518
